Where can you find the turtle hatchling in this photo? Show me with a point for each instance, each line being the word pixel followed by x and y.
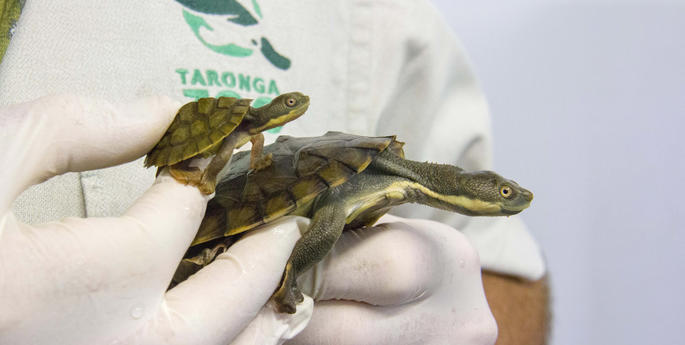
pixel 340 181
pixel 216 126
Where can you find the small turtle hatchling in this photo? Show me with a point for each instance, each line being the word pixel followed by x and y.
pixel 216 126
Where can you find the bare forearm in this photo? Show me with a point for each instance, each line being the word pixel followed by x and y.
pixel 521 308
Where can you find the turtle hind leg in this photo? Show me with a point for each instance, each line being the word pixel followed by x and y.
pixel 190 265
pixel 324 230
pixel 223 156
pixel 182 173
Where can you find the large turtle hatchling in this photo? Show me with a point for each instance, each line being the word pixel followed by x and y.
pixel 216 126
pixel 340 181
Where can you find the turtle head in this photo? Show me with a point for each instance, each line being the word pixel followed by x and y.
pixel 478 193
pixel 281 110
pixel 485 193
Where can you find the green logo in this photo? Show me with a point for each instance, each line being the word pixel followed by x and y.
pixel 237 14
pixel 216 83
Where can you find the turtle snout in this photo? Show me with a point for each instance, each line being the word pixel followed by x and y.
pixel 528 195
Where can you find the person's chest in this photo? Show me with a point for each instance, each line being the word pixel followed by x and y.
pixel 192 49
pixel 187 50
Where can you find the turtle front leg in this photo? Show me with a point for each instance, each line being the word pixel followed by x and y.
pixel 257 161
pixel 325 228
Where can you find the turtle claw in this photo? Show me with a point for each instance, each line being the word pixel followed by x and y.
pixel 286 299
pixel 288 294
pixel 207 187
pixel 261 163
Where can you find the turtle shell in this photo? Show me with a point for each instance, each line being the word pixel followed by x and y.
pixel 301 169
pixel 198 128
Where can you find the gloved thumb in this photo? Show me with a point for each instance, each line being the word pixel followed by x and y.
pixel 217 303
pixel 58 134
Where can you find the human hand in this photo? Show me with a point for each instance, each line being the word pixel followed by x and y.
pixel 403 281
pixel 104 280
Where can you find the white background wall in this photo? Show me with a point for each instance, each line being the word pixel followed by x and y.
pixel 588 103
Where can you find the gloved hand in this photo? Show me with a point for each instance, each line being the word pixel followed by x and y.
pixel 104 280
pixel 403 281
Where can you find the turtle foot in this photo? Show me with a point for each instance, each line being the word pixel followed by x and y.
pixel 288 295
pixel 261 163
pixel 194 177
pixel 287 299
pixel 207 187
pixel 187 176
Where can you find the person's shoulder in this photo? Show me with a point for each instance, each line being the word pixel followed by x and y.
pixel 412 8
pixel 414 21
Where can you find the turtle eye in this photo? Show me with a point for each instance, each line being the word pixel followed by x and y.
pixel 505 191
pixel 290 102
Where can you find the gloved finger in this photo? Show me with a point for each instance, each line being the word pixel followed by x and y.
pixel 452 310
pixel 166 218
pixel 353 323
pixel 214 305
pixel 271 327
pixel 57 134
pixel 389 264
pixel 144 244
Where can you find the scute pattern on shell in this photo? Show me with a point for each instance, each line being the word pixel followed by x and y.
pixel 198 128
pixel 301 169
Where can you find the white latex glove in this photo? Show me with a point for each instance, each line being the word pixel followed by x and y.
pixel 104 280
pixel 402 282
